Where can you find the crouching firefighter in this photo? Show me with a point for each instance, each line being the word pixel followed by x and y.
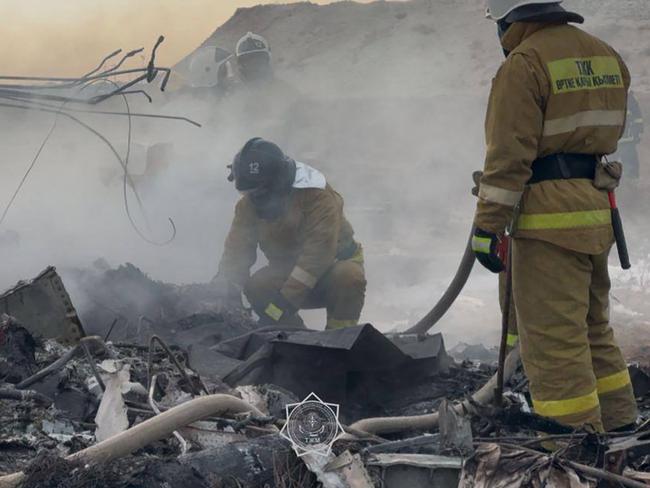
pixel 557 107
pixel 297 220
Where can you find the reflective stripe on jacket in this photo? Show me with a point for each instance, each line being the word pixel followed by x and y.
pixel 560 90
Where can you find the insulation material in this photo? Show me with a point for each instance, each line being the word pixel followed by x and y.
pixel 111 415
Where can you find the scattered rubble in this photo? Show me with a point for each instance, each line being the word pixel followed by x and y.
pixel 186 401
pixel 474 352
pixel 44 307
pixel 132 306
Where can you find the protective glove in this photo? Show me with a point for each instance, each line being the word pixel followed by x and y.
pixel 279 308
pixel 476 177
pixel 490 249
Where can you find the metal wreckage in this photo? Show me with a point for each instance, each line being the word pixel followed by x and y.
pixel 183 389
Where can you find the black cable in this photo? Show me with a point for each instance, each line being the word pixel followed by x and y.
pixel 87 80
pixel 127 179
pixel 110 146
pixel 103 112
pixel 29 169
pixel 102 63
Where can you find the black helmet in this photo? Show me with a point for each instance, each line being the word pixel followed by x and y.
pixel 507 12
pixel 265 174
pixel 543 12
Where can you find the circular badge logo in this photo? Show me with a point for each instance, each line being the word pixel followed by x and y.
pixel 311 425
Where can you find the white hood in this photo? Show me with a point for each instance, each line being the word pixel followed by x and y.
pixel 308 177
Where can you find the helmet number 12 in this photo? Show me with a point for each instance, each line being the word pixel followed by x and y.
pixel 254 168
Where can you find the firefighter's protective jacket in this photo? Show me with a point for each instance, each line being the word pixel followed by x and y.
pixel 306 240
pixel 560 90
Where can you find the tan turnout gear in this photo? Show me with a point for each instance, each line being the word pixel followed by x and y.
pixel 560 90
pixel 314 260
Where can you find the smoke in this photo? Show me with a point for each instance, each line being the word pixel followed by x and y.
pixel 388 100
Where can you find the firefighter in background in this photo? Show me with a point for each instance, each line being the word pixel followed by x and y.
pixel 297 220
pixel 557 105
pixel 627 146
pixel 259 100
pixel 253 55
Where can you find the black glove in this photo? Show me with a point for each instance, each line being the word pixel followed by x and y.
pixel 476 177
pixel 279 308
pixel 489 249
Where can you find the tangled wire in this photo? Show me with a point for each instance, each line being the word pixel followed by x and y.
pixel 35 95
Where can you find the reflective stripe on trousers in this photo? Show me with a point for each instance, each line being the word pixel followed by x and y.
pixel 340 323
pixel 570 406
pixel 613 382
pixel 584 403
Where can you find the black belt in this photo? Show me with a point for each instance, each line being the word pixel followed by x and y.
pixel 564 166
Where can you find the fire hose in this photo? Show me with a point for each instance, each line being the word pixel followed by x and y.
pixel 386 425
pixel 151 430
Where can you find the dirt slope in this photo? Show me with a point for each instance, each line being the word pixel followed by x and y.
pixel 414 48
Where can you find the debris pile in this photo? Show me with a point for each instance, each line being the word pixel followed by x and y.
pixel 170 405
pixel 132 306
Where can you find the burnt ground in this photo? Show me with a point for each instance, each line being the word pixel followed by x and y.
pixel 36 435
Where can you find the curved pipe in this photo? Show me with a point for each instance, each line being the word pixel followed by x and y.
pixel 452 292
pixel 181 440
pixel 151 430
pixel 386 425
pixel 174 360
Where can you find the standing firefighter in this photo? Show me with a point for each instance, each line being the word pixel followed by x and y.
pixel 557 107
pixel 297 220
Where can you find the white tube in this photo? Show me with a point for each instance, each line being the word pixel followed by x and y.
pixel 385 425
pixel 151 430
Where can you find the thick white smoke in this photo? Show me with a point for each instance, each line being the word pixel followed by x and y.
pixel 387 99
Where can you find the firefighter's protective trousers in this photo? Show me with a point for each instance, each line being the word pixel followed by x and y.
pixel 341 291
pixel 576 371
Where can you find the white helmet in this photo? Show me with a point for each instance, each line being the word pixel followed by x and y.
pixel 499 9
pixel 252 43
pixel 209 66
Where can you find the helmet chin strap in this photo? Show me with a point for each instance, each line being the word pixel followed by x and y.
pixel 502 28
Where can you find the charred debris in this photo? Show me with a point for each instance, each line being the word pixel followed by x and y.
pixel 180 389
